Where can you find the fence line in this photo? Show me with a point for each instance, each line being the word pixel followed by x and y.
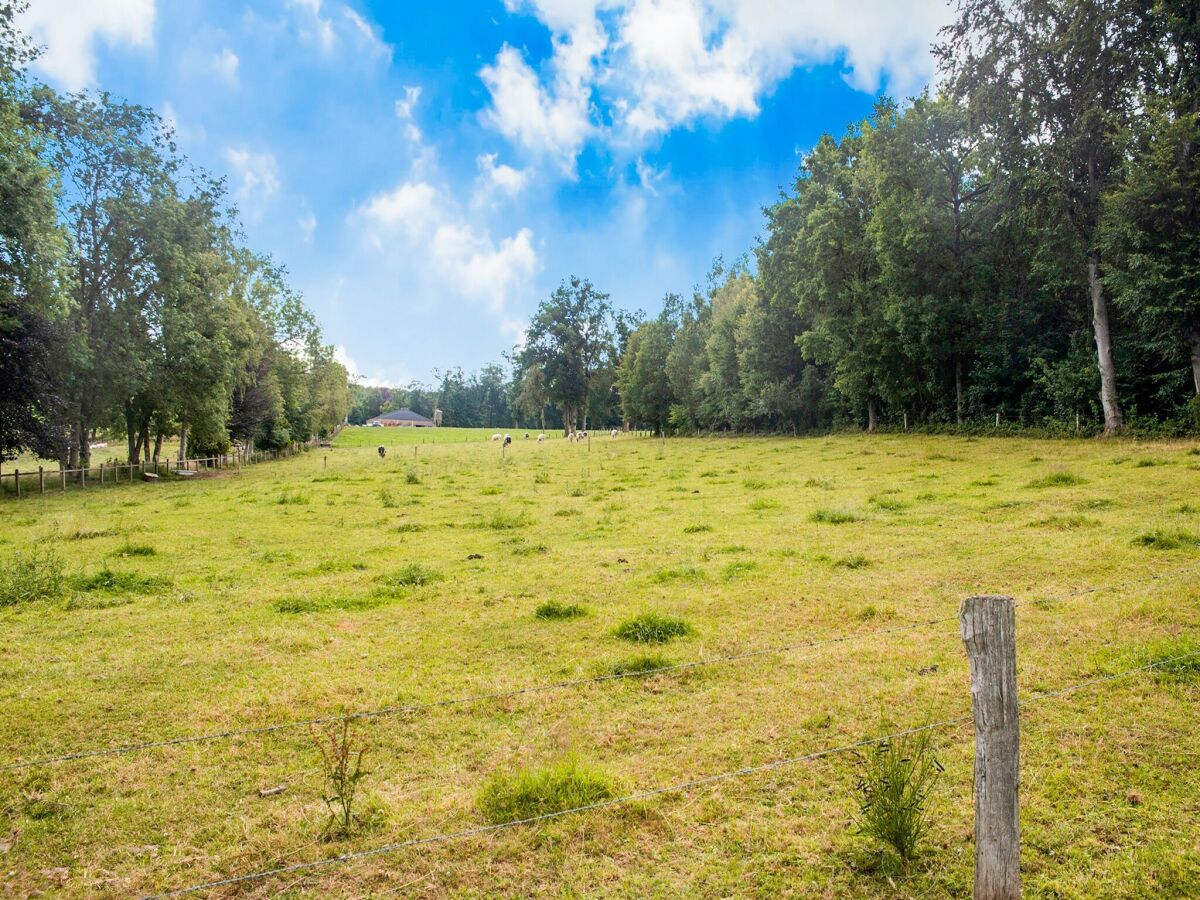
pixel 396 710
pixel 681 787
pixel 161 468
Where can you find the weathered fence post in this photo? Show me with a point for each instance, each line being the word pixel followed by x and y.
pixel 17 481
pixel 989 629
pixel 41 480
pixel 62 474
pixel 325 462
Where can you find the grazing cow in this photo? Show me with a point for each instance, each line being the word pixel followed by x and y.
pixel 614 432
pixel 581 436
pixel 507 439
pixel 496 436
pixel 382 451
pixel 527 435
pixel 541 438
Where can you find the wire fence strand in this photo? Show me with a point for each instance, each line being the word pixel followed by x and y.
pixel 637 796
pixel 404 709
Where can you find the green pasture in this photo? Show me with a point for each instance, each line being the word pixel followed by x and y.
pixel 337 581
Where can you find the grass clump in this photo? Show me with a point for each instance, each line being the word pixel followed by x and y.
pixel 556 610
pixel 735 570
pixel 686 572
pixel 129 549
pixel 653 628
pixel 292 498
pixel 696 529
pixel 1057 479
pixel 1065 523
pixel 386 499
pixel 855 561
pixel 824 484
pixel 1160 539
pixel 895 780
pixel 536 792
pixel 111 582
pixel 411 575
pixel 891 504
pixel 834 516
pixel 87 534
pixel 411 476
pixel 641 664
pixel 408 528
pixel 31 576
pixel 502 520
pixel 530 549
pixel 764 503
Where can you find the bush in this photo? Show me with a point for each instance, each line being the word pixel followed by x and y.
pixel 555 609
pixel 537 792
pixel 894 783
pixel 31 576
pixel 653 628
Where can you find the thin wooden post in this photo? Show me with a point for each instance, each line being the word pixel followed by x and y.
pixel 17 481
pixel 997 418
pixel 102 473
pixel 41 480
pixel 325 462
pixel 62 474
pixel 989 630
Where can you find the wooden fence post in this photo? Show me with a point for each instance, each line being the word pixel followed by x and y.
pixel 989 630
pixel 62 474
pixel 17 481
pixel 41 479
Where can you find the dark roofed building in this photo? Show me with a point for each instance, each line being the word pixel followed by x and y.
pixel 405 418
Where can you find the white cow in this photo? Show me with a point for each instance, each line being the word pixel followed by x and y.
pixel 496 436
pixel 541 438
pixel 614 432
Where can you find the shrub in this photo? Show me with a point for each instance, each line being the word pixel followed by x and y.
pixel 1167 540
pixel 834 516
pixel 1056 479
pixel 536 792
pixel 556 609
pixel 31 576
pixel 894 783
pixel 652 628
pixel 411 476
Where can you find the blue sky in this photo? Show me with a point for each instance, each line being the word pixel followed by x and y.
pixel 428 172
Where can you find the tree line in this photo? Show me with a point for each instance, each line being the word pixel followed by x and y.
pixel 1021 246
pixel 129 302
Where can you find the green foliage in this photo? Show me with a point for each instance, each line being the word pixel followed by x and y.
pixel 557 610
pixel 536 792
pixel 1163 539
pixel 895 780
pixel 341 765
pixel 653 628
pixel 32 575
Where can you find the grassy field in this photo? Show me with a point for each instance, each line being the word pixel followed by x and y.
pixel 292 590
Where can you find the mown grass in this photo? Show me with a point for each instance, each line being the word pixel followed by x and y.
pixel 269 612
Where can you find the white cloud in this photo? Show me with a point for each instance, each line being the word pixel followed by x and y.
pixel 556 119
pixel 414 222
pixel 225 64
pixel 649 177
pixel 379 379
pixel 659 64
pixel 255 178
pixel 405 108
pixel 500 176
pixel 69 30
pixel 308 226
pixel 337 25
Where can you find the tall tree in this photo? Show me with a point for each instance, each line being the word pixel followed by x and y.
pixel 1054 83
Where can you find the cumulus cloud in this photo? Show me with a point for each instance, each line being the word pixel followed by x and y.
pixel 69 30
pixel 659 64
pixel 498 176
pixel 405 112
pixel 415 220
pixel 255 179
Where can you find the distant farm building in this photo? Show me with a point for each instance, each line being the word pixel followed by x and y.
pixel 401 418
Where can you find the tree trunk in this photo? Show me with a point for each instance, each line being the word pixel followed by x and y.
pixel 85 447
pixel 1114 419
pixel 872 415
pixel 73 451
pixel 183 434
pixel 1196 357
pixel 958 388
pixel 158 438
pixel 130 434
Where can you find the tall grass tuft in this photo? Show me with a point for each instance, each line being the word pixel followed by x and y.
pixel 834 516
pixel 31 576
pixel 1057 479
pixel 641 664
pixel 536 792
pixel 653 628
pixel 895 780
pixel 557 610
pixel 1160 539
